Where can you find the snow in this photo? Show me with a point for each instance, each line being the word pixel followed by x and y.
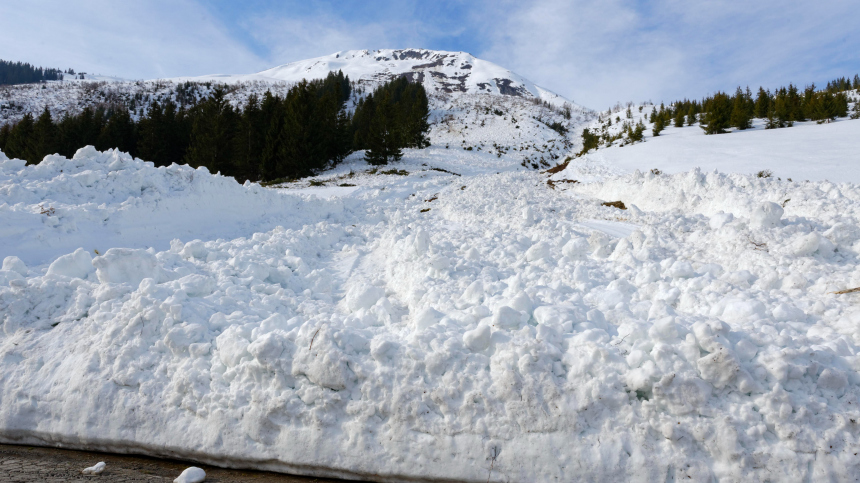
pixel 456 319
pixel 513 331
pixel 191 475
pixel 96 469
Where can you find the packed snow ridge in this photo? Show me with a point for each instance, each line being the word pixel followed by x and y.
pixel 421 326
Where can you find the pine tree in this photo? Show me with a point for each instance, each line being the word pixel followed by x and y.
pixel 691 115
pixel 762 103
pixel 679 118
pixel 46 138
pixel 658 126
pixel 740 114
pixel 5 131
pixel 212 135
pixel 384 136
pixel 718 111
pixel 21 139
pixel 118 133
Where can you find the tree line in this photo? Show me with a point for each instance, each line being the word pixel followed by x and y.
pixel 268 138
pixel 21 73
pixel 717 113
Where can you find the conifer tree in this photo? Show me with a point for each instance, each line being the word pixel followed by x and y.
pixel 20 139
pixel 212 135
pixel 762 103
pixel 45 138
pixel 118 133
pixel 658 126
pixel 679 118
pixel 740 114
pixel 718 111
pixel 384 136
pixel 5 131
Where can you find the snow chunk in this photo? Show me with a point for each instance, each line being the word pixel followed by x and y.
pixel 575 248
pixel 538 251
pixel 720 220
pixel 506 318
pixel 191 475
pixel 427 318
pixel 74 265
pixel 15 264
pixel 832 380
pixel 363 297
pixel 126 265
pixel 477 339
pixel 766 215
pixel 806 245
pixel 96 469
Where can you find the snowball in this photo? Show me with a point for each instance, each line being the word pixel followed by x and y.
pixel 15 264
pixel 765 215
pixel 575 248
pixel 528 216
pixel 806 245
pixel 126 265
pixel 538 251
pixel 720 220
pixel 506 318
pixel 75 265
pixel 427 318
pixel 95 469
pixel 477 339
pixel 363 296
pixel 191 475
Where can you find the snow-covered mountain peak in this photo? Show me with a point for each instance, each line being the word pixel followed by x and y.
pixel 439 71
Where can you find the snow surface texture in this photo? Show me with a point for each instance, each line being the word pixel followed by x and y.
pixel 512 332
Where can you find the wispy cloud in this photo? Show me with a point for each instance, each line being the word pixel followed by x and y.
pixel 596 53
pixel 139 39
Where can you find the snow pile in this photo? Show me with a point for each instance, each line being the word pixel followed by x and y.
pixel 101 200
pixel 467 328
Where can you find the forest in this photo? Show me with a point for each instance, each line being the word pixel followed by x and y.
pixel 269 138
pixel 20 73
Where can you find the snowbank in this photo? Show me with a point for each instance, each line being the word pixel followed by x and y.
pixel 510 333
pixel 102 200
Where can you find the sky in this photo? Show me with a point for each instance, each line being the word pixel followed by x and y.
pixel 595 53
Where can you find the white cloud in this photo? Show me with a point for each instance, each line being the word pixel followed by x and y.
pixel 136 39
pixel 601 52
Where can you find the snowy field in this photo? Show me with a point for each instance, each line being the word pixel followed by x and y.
pixel 459 319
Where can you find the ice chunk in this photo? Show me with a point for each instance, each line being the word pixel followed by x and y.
pixel 477 339
pixel 95 469
pixel 75 265
pixel 191 475
pixel 15 264
pixel 126 265
pixel 766 215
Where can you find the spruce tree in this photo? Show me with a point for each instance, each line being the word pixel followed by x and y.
pixel 718 111
pixel 658 126
pixel 20 139
pixel 383 137
pixel 679 118
pixel 762 103
pixel 5 131
pixel 212 135
pixel 740 114
pixel 45 138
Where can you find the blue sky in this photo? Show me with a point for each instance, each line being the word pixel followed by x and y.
pixel 595 53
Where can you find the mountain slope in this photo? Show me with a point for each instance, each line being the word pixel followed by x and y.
pixel 439 72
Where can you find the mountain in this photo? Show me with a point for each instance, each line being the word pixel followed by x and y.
pixel 439 71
